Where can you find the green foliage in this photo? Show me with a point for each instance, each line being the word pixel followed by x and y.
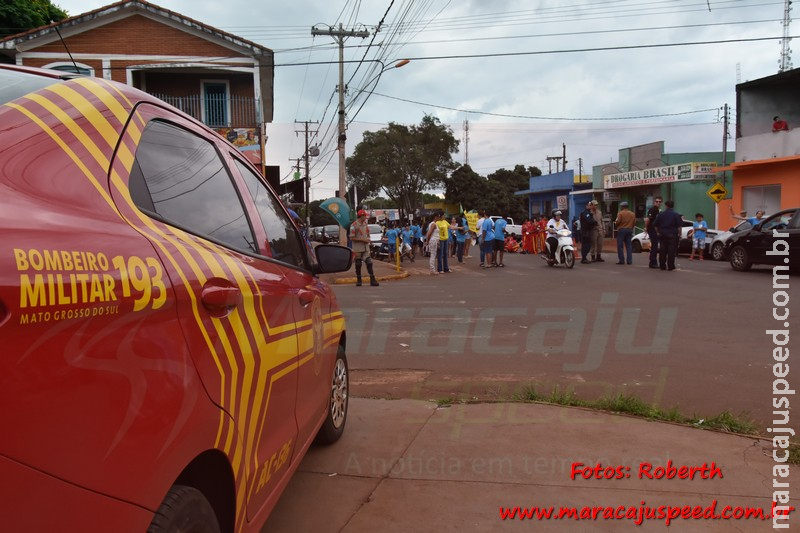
pixel 17 16
pixel 381 203
pixel 403 161
pixel 495 193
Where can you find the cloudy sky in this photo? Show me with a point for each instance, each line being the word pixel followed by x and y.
pixel 528 76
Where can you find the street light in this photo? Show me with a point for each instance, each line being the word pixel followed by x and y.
pixel 376 79
pixel 342 128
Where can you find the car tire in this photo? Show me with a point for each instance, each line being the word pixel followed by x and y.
pixel 184 509
pixel 718 251
pixel 740 259
pixel 333 427
pixel 637 247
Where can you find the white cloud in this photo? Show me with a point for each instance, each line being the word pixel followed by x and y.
pixel 619 83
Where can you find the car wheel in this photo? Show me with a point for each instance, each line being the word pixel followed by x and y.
pixel 184 509
pixel 333 427
pixel 637 247
pixel 569 258
pixel 718 251
pixel 740 259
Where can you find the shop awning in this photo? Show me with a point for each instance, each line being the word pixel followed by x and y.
pixel 757 162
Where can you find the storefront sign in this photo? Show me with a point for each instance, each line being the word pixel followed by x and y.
pixel 659 175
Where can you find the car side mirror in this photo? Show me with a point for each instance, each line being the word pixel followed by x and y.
pixel 732 229
pixel 332 258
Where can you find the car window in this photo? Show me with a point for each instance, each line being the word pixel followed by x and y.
pixel 14 84
pixel 778 222
pixel 795 222
pixel 284 243
pixel 375 228
pixel 180 178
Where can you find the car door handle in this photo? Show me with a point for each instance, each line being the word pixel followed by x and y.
pixel 219 296
pixel 306 297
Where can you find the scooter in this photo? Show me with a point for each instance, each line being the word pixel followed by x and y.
pixel 565 251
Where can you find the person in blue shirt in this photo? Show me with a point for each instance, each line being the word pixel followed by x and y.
pixel 406 249
pixel 416 239
pixel 391 239
pixel 752 220
pixel 487 234
pixel 699 228
pixel 499 240
pixel 460 229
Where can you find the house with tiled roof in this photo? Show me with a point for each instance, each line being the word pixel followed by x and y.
pixel 223 80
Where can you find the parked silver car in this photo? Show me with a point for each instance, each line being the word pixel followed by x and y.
pixel 718 244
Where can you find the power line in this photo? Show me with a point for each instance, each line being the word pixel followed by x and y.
pixel 544 118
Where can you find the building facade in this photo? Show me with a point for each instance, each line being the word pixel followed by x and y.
pixel 220 79
pixel 646 171
pixel 766 171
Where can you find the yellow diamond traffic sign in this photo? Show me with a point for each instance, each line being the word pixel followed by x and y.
pixel 717 192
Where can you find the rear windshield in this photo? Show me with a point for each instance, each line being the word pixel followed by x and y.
pixel 14 84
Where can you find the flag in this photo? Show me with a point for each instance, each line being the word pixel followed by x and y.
pixel 339 210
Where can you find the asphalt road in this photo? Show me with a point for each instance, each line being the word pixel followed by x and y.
pixel 693 338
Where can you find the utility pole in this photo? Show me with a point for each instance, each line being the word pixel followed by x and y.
pixel 725 135
pixel 466 141
pixel 549 163
pixel 580 169
pixel 307 156
pixel 564 157
pixel 785 62
pixel 339 36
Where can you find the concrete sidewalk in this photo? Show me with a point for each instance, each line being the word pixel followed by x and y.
pixel 407 465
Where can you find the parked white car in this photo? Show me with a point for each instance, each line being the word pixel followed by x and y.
pixel 641 241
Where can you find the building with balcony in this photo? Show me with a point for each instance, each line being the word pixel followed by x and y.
pixel 220 79
pixel 766 171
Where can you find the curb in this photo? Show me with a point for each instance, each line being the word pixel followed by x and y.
pixel 351 281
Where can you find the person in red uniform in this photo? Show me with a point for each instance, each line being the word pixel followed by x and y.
pixel 527 236
pixel 778 124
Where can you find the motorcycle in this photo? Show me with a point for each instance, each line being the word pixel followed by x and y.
pixel 565 251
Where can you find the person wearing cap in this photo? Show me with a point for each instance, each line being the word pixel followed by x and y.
pixel 625 222
pixel 359 235
pixel 597 233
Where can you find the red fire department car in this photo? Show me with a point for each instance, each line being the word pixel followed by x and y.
pixel 167 351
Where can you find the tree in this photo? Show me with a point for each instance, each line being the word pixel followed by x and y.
pixel 471 190
pixel 403 161
pixel 494 193
pixel 507 183
pixel 17 16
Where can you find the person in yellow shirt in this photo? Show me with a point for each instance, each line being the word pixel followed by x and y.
pixel 444 240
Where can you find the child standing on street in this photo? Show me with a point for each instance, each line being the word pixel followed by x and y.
pixel 699 228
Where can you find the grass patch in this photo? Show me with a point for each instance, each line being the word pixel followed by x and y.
pixel 445 402
pixel 794 454
pixel 727 421
pixel 528 394
pixel 635 406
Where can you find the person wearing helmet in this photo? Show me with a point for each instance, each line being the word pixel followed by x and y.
pixel 554 225
pixel 359 234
